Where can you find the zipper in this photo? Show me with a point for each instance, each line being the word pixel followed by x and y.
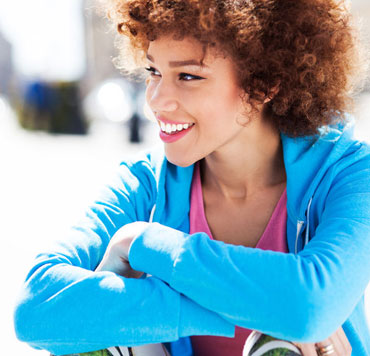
pixel 299 227
pixel 300 224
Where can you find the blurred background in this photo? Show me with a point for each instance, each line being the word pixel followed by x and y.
pixel 67 118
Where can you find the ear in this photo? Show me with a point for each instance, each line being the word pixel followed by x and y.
pixel 274 90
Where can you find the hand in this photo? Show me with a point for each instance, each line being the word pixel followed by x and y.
pixel 340 346
pixel 115 258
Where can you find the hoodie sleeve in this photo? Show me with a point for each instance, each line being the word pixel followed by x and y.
pixel 303 297
pixel 65 307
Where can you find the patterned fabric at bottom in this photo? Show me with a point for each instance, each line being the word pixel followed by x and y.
pixel 259 344
pixel 144 350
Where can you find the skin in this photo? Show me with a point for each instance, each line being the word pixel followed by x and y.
pixel 338 340
pixel 244 154
pixel 243 159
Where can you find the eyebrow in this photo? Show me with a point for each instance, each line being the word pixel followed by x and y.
pixel 189 62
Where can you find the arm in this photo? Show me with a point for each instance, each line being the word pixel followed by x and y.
pixel 116 260
pixel 288 296
pixel 66 307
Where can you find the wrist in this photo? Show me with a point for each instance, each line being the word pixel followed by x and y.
pixel 156 249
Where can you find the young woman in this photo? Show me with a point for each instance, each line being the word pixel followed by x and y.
pixel 255 216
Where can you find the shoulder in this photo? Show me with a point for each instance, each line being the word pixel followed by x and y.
pixel 349 183
pixel 136 178
pixel 154 164
pixel 152 158
pixel 354 158
pixel 324 163
pixel 144 165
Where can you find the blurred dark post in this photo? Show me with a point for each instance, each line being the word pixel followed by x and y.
pixel 135 128
pixel 100 52
pixel 136 120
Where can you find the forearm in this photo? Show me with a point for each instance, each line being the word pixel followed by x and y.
pixel 277 293
pixel 66 309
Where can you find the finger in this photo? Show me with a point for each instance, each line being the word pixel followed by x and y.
pixel 337 345
pixel 346 348
pixel 339 342
pixel 328 347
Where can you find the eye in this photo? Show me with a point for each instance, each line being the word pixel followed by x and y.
pixel 153 72
pixel 188 77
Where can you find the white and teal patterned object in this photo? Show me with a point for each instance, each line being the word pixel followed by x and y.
pixel 259 344
pixel 144 350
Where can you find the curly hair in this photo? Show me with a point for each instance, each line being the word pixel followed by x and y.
pixel 308 49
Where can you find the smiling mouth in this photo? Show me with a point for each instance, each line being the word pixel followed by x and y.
pixel 171 129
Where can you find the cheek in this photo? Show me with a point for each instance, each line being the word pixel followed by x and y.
pixel 151 87
pixel 226 106
pixel 149 91
pixel 226 97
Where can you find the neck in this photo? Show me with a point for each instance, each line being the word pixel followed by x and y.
pixel 250 164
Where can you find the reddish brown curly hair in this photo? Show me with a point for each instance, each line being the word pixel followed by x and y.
pixel 308 49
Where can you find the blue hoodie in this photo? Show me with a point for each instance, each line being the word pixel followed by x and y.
pixel 199 286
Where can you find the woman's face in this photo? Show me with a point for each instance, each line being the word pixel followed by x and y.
pixel 198 108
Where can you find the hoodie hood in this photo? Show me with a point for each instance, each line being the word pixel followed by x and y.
pixel 307 160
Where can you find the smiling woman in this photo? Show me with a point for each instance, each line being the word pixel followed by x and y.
pixel 181 91
pixel 251 224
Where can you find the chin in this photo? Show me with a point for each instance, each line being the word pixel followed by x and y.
pixel 179 160
pixel 180 163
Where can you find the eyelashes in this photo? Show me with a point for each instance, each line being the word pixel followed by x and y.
pixel 182 76
pixel 187 77
pixel 151 70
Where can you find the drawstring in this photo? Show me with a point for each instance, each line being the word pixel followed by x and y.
pixel 152 213
pixel 299 228
pixel 307 237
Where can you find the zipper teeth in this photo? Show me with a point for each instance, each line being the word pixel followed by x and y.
pixel 299 227
pixel 308 223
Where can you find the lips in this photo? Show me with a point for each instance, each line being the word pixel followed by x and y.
pixel 175 135
pixel 169 126
pixel 171 131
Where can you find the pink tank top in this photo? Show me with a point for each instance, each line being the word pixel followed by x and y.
pixel 273 238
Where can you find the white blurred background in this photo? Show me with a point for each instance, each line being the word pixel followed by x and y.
pixel 60 49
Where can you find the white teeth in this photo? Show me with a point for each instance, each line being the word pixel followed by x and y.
pixel 171 128
pixel 168 128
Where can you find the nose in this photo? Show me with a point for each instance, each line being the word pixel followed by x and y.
pixel 161 97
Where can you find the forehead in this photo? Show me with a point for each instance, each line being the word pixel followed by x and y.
pixel 186 50
pixel 170 42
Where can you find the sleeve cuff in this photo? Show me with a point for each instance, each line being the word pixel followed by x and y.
pixel 196 320
pixel 156 250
